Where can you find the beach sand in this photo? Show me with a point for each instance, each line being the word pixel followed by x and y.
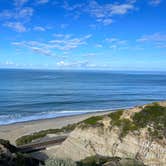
pixel 13 131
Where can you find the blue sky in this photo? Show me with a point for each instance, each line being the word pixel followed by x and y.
pixel 83 34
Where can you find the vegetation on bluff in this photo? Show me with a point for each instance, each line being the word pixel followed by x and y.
pixel 151 116
pixel 108 161
pixel 92 121
pixel 154 117
pixel 29 138
pixel 95 161
pixel 59 162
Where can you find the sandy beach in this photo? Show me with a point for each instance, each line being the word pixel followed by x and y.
pixel 13 131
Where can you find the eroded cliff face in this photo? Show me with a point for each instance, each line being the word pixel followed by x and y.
pixel 106 140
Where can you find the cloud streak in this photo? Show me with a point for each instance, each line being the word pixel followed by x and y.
pixel 158 39
pixel 17 26
pixel 61 42
pixel 103 13
pixel 155 2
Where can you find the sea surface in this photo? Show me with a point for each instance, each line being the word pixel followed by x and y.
pixel 38 94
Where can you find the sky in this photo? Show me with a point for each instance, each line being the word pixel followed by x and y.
pixel 83 34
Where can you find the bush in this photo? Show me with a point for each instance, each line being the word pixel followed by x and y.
pixel 59 162
pixel 29 138
pixel 108 161
pixel 92 121
pixel 93 161
pixel 115 116
pixel 152 115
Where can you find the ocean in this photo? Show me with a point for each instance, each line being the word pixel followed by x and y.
pixel 38 94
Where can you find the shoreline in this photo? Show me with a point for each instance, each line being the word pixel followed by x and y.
pixel 61 116
pixel 15 130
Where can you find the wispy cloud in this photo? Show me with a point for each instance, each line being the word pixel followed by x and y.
pixel 17 17
pixel 67 42
pixel 42 1
pixel 116 43
pixel 98 45
pixel 80 65
pixel 61 42
pixel 155 2
pixel 42 51
pixel 72 64
pixel 39 28
pixel 158 39
pixel 103 13
pixel 23 13
pixel 17 26
pixel 20 3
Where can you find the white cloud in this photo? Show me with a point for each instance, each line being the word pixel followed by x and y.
pixel 157 37
pixel 76 64
pixel 61 42
pixel 17 26
pixel 80 65
pixel 42 1
pixel 66 42
pixel 42 51
pixel 103 13
pixel 6 14
pixel 106 21
pixel 117 43
pixel 91 54
pixel 120 9
pixel 99 45
pixel 39 28
pixel 23 13
pixel 63 26
pixel 155 2
pixel 20 3
pixel 17 17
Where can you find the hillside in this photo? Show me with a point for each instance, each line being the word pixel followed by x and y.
pixel 138 133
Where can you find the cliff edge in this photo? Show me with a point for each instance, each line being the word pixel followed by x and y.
pixel 138 133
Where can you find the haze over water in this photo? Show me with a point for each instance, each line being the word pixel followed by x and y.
pixel 37 94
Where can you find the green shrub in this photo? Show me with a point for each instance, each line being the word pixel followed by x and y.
pixel 112 161
pixel 115 116
pixel 29 138
pixel 93 161
pixel 126 126
pixel 152 115
pixel 59 162
pixel 92 120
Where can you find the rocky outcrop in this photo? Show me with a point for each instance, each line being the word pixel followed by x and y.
pixel 107 139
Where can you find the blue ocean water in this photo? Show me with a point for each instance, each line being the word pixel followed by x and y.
pixel 37 94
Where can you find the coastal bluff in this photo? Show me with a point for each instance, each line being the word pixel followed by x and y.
pixel 139 133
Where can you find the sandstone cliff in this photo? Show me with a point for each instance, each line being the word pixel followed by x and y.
pixel 138 133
